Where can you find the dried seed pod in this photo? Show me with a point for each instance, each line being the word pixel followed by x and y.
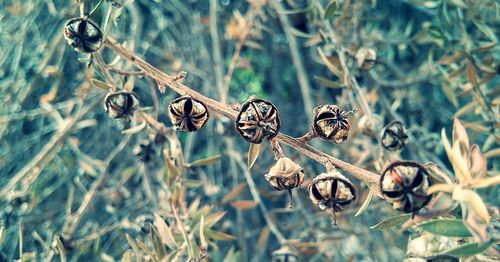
pixel 83 34
pixel 365 57
pixel 393 136
pixel 258 119
pixel 332 190
pixel 121 104
pixel 331 123
pixel 285 254
pixel 285 175
pixel 404 184
pixel 187 114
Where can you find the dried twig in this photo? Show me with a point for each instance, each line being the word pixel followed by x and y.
pixel 368 177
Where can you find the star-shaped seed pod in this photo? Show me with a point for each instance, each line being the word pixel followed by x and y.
pixel 83 34
pixel 258 119
pixel 285 175
pixel 332 190
pixel 285 254
pixel 187 114
pixel 121 104
pixel 331 123
pixel 393 136
pixel 404 184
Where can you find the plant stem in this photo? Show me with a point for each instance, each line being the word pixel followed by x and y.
pixel 370 178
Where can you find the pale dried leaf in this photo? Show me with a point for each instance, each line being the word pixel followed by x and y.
pixel 365 204
pixel 454 158
pixel 264 235
pixel 203 240
pixel 474 224
pixel 244 204
pixel 485 182
pixel 127 256
pixel 473 201
pixel 253 154
pixel 100 84
pixel 164 231
pixel 132 244
pixel 235 192
pixel 329 64
pixel 205 161
pixel 441 188
pixel 460 136
pixel 477 162
pixel 135 129
pixel 438 174
pixel 471 73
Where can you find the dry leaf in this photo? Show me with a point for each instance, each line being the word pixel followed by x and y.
pixel 244 204
pixel 235 192
pixel 473 201
pixel 264 235
pixel 477 162
pixel 164 231
pixel 253 153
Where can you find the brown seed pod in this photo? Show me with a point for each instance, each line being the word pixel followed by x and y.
pixel 393 136
pixel 331 123
pixel 285 175
pixel 404 184
pixel 285 254
pixel 187 114
pixel 332 190
pixel 365 57
pixel 121 104
pixel 83 34
pixel 258 119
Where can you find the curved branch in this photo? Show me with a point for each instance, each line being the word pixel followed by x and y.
pixel 370 178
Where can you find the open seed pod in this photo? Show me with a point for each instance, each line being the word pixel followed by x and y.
pixel 258 119
pixel 404 184
pixel 393 136
pixel 285 175
pixel 83 34
pixel 332 190
pixel 187 114
pixel 285 254
pixel 121 104
pixel 331 123
pixel 365 58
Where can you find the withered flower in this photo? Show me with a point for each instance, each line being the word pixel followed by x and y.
pixel 393 136
pixel 285 175
pixel 404 184
pixel 83 34
pixel 332 190
pixel 258 119
pixel 121 104
pixel 187 114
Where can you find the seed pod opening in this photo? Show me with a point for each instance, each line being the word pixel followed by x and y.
pixel 285 175
pixel 83 35
pixel 393 136
pixel 258 119
pixel 121 104
pixel 187 114
pixel 331 123
pixel 404 184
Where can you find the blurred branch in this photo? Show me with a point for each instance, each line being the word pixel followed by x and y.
pixel 305 87
pixel 370 178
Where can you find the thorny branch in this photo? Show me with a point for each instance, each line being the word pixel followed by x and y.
pixel 370 178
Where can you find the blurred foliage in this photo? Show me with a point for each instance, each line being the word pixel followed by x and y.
pixel 73 187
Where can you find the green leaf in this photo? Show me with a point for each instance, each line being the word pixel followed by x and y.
pixel 391 222
pixel 330 10
pixel 365 204
pixel 446 227
pixel 253 154
pixel 217 235
pixel 100 84
pixel 486 30
pixel 205 161
pixel 468 249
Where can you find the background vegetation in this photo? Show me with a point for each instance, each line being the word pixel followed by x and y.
pixel 75 187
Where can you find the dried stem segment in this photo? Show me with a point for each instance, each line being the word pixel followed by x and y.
pixel 370 178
